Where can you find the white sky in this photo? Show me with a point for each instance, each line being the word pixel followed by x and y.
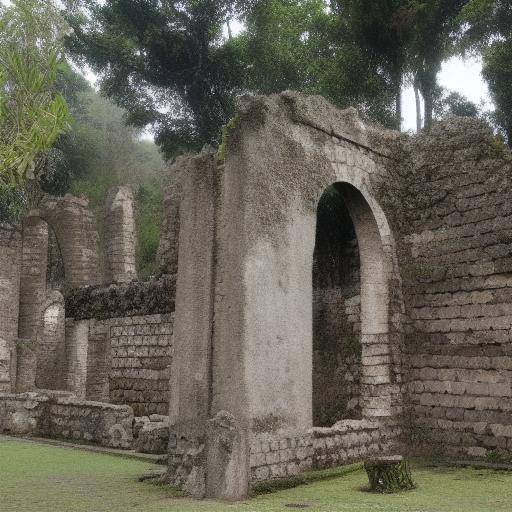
pixel 459 75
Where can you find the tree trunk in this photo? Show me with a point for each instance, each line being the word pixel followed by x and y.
pixel 429 107
pixel 230 35
pixel 398 106
pixel 389 474
pixel 419 120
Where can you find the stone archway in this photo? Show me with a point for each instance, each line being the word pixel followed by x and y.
pixel 353 374
pixel 73 225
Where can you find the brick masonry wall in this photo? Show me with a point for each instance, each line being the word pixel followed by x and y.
pixel 60 416
pixel 10 246
pixel 458 284
pixel 141 353
pixel 345 442
pixel 336 356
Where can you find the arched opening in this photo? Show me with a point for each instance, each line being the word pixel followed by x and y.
pixel 351 354
pixel 41 330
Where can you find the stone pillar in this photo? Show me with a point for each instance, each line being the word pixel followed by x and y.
pixel 167 254
pixel 77 341
pixel 120 236
pixel 32 297
pixel 190 392
pixel 10 253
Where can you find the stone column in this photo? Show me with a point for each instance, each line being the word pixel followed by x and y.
pixel 190 386
pixel 120 236
pixel 77 341
pixel 32 297
pixel 167 254
pixel 10 252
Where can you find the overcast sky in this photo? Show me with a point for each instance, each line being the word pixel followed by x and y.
pixel 462 76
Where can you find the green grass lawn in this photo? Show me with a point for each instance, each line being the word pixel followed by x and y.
pixel 42 478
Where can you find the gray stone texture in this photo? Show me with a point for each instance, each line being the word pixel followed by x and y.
pixel 61 416
pixel 457 277
pixel 120 236
pixel 10 257
pixel 141 352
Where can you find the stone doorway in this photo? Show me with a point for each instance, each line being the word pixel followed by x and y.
pixel 352 356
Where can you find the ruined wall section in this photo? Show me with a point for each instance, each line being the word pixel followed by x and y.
pixel 120 237
pixel 130 347
pixel 167 254
pixel 141 355
pixel 459 288
pixel 10 253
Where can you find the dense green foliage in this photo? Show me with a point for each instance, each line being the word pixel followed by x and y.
pixel 164 62
pixel 489 31
pixel 103 152
pixel 32 113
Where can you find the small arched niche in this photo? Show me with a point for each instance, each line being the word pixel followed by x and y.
pixel 352 371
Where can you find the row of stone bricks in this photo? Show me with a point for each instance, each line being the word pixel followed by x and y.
pixel 492 339
pixel 470 376
pixel 455 312
pixel 450 246
pixel 444 233
pixel 330 458
pixel 446 435
pixel 466 401
pixel 133 395
pixel 151 363
pixel 468 283
pixel 482 415
pixel 150 339
pixel 489 296
pixel 465 324
pixel 141 329
pixel 167 318
pixel 460 388
pixel 480 362
pixel 139 373
pixel 139 384
pixel 140 351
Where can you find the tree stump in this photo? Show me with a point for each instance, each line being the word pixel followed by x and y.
pixel 389 474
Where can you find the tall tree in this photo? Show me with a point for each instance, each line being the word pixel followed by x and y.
pixel 381 29
pixel 489 31
pixel 32 113
pixel 435 29
pixel 164 61
pixel 303 45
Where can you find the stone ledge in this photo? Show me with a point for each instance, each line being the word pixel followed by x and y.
pixel 122 300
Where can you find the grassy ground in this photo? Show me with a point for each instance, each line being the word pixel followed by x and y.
pixel 41 478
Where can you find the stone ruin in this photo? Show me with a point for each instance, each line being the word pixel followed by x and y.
pixel 328 291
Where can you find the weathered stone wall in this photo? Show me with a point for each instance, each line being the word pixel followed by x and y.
pixel 99 360
pixel 141 353
pixel 60 416
pixel 130 347
pixel 32 298
pixel 10 261
pixel 244 315
pixel 167 255
pixel 336 357
pixel 459 287
pixel 120 239
pixel 345 442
